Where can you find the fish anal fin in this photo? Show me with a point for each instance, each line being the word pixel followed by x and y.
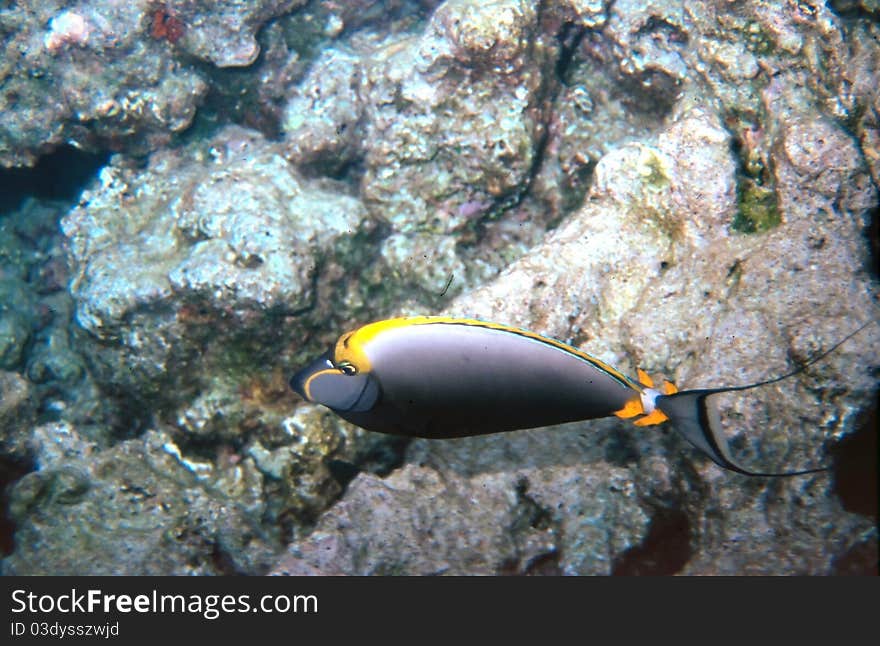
pixel 655 417
pixel 633 408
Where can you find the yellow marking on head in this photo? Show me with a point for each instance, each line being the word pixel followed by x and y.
pixel 633 408
pixel 350 346
pixel 307 384
pixel 656 417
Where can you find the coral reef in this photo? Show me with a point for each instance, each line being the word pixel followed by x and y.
pixel 425 520
pixel 115 74
pixel 222 264
pixel 138 508
pixel 17 414
pixel 679 186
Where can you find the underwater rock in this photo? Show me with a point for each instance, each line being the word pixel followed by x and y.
pixel 136 508
pixel 447 118
pixel 426 260
pixel 649 38
pixel 425 520
pixel 144 506
pixel 343 121
pixel 871 6
pixel 17 414
pixel 89 75
pixel 115 74
pixel 18 303
pixel 193 304
pixel 36 315
pixel 584 13
pixel 461 125
pixel 15 332
pixel 16 322
pixel 719 308
pixel 321 116
pixel 845 74
pixel 220 239
pixel 222 33
pixel 381 14
pixel 225 247
pixel 441 125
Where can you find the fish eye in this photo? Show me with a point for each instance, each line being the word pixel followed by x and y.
pixel 346 368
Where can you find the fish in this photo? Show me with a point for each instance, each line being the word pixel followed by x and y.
pixel 442 377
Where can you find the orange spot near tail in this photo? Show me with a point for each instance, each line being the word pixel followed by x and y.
pixel 632 409
pixel 656 417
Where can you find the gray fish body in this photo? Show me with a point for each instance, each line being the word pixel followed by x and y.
pixel 453 380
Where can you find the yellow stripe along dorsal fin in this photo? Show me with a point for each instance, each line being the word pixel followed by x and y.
pixel 350 346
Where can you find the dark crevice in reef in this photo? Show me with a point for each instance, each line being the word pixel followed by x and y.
pixel 621 449
pixel 860 559
pixel 855 465
pixel 223 562
pixel 853 10
pixel 664 551
pixel 380 459
pixel 232 100
pixel 530 515
pixel 11 472
pixel 342 471
pixel 546 564
pixel 873 234
pixel 569 38
pixel 60 175
pixel 671 33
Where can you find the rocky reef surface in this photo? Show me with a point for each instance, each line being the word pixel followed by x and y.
pixel 686 187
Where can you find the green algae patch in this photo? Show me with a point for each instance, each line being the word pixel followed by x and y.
pixel 758 40
pixel 758 208
pixel 654 170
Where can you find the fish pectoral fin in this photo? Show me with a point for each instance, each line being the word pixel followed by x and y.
pixel 669 388
pixel 633 408
pixel 656 417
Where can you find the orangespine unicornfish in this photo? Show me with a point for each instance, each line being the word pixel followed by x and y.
pixel 439 377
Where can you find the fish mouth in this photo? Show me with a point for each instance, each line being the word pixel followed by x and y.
pixel 299 379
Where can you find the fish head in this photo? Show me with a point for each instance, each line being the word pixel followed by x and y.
pixel 338 386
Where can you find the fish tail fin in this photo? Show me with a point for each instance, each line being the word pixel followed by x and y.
pixel 695 417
